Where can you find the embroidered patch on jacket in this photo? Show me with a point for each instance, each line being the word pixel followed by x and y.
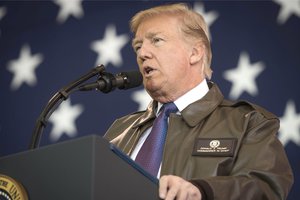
pixel 214 147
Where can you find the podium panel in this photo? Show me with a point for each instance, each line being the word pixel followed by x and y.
pixel 79 169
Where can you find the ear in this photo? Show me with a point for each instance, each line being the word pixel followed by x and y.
pixel 197 53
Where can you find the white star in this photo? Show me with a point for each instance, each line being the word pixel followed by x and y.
pixel 23 68
pixel 67 8
pixel 2 12
pixel 243 77
pixel 209 17
pixel 109 48
pixel 142 98
pixel 290 125
pixel 63 120
pixel 288 7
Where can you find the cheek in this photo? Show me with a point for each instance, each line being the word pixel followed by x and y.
pixel 138 60
pixel 177 62
pixel 140 69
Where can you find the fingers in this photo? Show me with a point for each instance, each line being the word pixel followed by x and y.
pixel 168 187
pixel 172 193
pixel 174 187
pixel 163 187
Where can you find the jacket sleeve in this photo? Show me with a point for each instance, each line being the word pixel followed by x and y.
pixel 261 169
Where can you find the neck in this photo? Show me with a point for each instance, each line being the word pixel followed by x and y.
pixel 174 94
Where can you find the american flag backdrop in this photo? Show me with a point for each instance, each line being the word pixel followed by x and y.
pixel 44 45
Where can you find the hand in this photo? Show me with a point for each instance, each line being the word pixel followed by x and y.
pixel 174 187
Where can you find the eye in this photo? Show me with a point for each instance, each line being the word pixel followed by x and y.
pixel 137 48
pixel 156 40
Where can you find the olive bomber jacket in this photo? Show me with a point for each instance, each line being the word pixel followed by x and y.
pixel 229 150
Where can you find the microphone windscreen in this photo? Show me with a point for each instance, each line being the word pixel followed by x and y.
pixel 133 79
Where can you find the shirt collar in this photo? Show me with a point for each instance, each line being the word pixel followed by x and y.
pixel 190 97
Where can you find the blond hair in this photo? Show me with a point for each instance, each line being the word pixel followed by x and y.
pixel 193 25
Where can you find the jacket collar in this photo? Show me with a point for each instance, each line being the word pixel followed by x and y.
pixel 193 113
pixel 197 111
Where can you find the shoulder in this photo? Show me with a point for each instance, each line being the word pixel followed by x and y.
pixel 248 108
pixel 251 115
pixel 256 122
pixel 239 106
pixel 121 124
pixel 128 122
pixel 128 119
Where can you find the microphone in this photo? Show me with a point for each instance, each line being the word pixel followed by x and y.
pixel 108 82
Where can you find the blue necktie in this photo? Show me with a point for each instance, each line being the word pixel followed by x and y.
pixel 150 155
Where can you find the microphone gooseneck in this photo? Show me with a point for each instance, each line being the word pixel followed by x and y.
pixel 106 83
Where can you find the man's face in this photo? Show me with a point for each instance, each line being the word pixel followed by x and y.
pixel 164 58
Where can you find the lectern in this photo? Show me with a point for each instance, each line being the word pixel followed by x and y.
pixel 86 168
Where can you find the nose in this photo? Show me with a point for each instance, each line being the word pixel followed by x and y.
pixel 144 52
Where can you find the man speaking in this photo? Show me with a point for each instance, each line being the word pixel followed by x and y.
pixel 198 144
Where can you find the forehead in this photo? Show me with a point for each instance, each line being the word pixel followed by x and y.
pixel 164 24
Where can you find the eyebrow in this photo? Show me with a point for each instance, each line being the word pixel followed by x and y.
pixel 148 36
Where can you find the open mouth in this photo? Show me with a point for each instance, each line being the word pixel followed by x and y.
pixel 148 70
